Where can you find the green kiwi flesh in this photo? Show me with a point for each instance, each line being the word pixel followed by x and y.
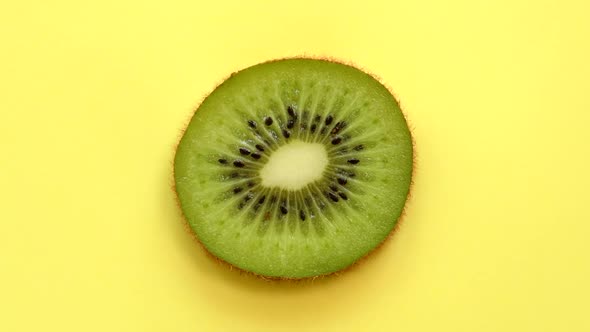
pixel 294 168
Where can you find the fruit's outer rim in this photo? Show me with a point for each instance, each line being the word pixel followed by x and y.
pixel 359 261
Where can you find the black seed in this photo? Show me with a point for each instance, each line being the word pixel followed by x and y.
pixel 284 209
pixel 237 190
pixel 329 120
pixel 238 163
pixel 302 214
pixel 268 121
pixel 261 200
pixel 343 195
pixel 256 155
pixel 333 197
pixel 234 175
pixel 248 197
pixel 336 140
pixel 338 127
pixel 313 128
pixel 244 151
pixel 252 123
pixel 251 184
pixel 317 118
pixel 290 123
pixel 359 147
pixel 222 161
pixel 333 187
pixel 291 112
pixel 353 161
pixel 286 133
pixel 342 181
pixel 259 147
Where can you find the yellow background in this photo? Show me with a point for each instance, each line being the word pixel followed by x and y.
pixel 93 98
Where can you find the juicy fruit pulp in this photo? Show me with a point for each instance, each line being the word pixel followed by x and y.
pixel 295 168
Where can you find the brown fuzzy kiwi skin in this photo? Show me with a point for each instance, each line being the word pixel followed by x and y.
pixel 358 262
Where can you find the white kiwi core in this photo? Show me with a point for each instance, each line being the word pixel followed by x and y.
pixel 294 165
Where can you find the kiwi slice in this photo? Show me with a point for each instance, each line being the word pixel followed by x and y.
pixel 294 168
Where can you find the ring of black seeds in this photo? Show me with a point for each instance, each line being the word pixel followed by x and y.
pixel 298 202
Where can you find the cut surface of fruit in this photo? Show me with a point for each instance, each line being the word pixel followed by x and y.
pixel 294 168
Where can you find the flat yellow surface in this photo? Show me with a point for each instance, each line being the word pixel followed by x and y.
pixel 93 98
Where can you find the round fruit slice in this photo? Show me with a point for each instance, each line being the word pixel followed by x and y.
pixel 295 168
